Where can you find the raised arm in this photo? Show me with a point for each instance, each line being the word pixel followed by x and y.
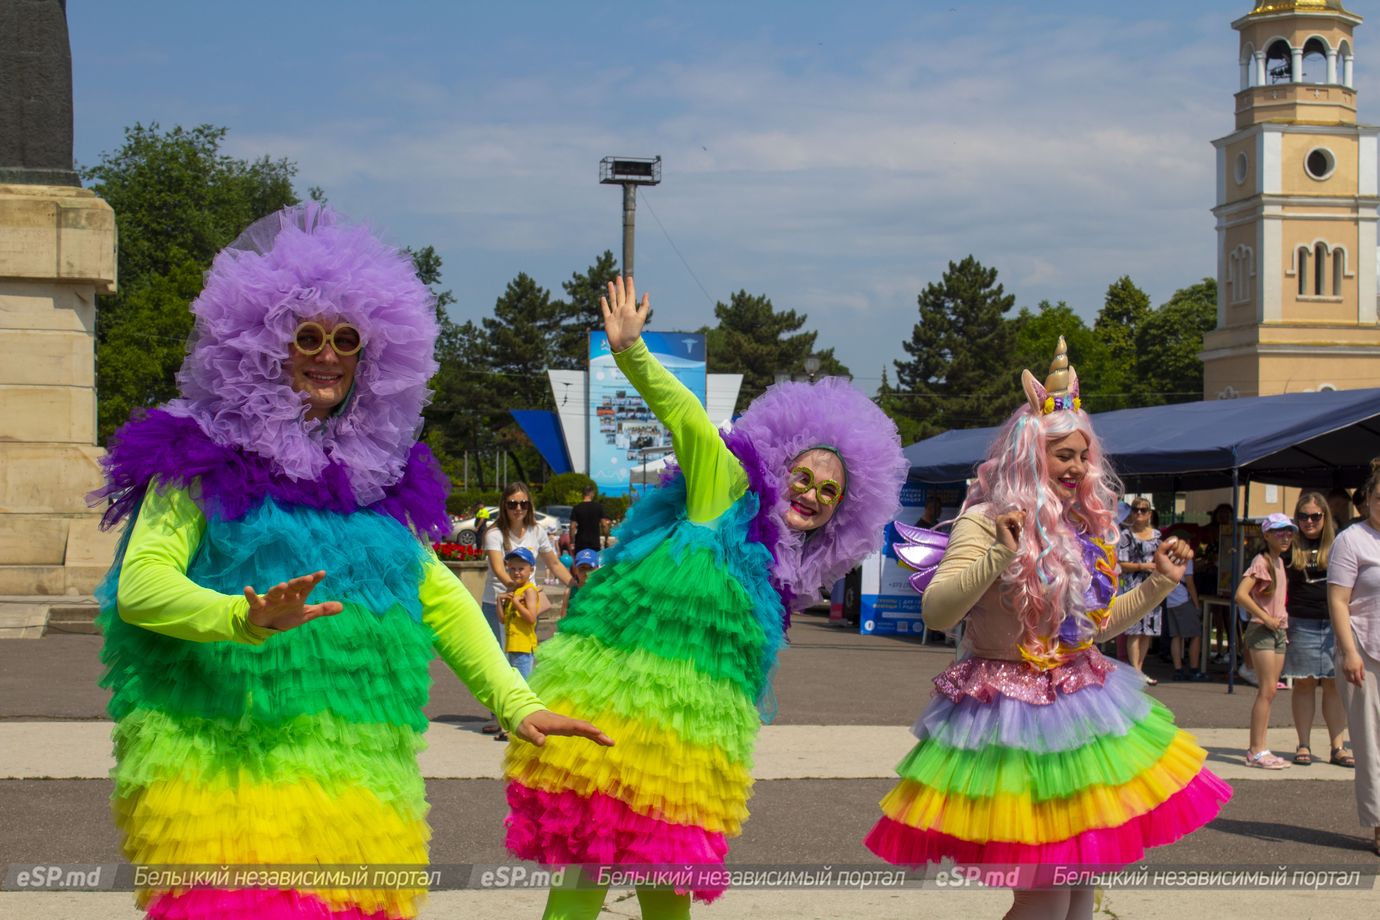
pixel 714 477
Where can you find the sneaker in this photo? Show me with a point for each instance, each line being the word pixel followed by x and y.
pixel 1179 675
pixel 1198 676
pixel 1247 676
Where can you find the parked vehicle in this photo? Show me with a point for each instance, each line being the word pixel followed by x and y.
pixel 562 514
pixel 463 529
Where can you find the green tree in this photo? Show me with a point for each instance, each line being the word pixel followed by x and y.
pixel 896 406
pixel 1168 342
pixel 579 313
pixel 518 341
pixel 756 340
pixel 1037 334
pixel 1124 310
pixel 178 200
pixel 961 352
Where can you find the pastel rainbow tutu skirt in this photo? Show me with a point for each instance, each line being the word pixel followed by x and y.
pixel 301 751
pixel 1076 766
pixel 667 648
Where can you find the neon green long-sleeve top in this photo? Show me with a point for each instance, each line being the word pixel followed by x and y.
pixel 156 594
pixel 714 479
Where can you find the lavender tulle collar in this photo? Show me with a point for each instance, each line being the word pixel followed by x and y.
pixel 229 482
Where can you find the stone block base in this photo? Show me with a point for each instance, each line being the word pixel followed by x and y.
pixel 69 580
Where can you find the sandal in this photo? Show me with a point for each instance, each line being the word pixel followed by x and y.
pixel 1342 757
pixel 1265 760
pixel 1303 756
pixel 1152 682
pixel 490 728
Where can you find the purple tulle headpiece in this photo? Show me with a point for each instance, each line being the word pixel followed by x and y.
pixel 781 424
pixel 300 263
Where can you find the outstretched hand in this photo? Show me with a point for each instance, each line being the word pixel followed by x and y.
pixel 543 722
pixel 624 317
pixel 285 605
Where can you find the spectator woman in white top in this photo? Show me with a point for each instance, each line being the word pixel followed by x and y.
pixel 516 525
pixel 1353 600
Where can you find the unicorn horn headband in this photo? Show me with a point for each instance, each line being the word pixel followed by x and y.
pixel 1060 390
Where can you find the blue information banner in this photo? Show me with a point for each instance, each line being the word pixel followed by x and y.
pixel 626 442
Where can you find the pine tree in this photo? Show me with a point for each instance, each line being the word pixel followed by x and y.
pixel 961 351
pixel 756 340
pixel 518 343
pixel 579 312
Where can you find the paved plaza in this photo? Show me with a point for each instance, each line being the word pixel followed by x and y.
pixel 846 703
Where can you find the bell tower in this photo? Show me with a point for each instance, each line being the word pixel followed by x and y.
pixel 1296 212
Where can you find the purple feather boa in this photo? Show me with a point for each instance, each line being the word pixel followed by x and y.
pixel 230 482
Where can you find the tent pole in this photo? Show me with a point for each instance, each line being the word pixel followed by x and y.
pixel 1235 574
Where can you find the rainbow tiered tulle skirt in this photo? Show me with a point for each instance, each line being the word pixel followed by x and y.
pixel 667 648
pixel 1077 766
pixel 301 751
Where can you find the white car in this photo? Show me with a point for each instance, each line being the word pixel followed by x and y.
pixel 462 530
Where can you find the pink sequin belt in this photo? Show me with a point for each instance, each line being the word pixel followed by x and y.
pixel 985 678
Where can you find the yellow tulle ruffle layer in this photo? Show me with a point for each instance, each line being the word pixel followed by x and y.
pixel 181 823
pixel 651 769
pixel 1023 819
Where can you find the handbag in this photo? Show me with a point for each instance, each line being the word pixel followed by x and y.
pixel 921 550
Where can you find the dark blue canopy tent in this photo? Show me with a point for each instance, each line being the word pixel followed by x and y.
pixel 1299 439
pixel 1316 440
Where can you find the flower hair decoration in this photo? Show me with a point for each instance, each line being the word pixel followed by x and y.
pixel 1060 389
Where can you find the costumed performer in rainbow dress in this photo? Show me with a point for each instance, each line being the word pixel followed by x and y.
pixel 283 727
pixel 671 643
pixel 1036 749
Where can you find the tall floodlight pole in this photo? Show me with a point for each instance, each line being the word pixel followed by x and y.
pixel 629 172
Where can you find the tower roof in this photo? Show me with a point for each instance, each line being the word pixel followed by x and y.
pixel 1267 7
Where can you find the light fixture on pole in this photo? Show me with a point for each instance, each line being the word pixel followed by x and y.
pixel 629 172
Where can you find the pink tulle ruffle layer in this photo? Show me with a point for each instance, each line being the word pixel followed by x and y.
pixel 252 904
pixel 1110 847
pixel 563 828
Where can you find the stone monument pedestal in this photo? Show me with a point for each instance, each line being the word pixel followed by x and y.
pixel 57 252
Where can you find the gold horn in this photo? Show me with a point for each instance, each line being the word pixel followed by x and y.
pixel 1057 383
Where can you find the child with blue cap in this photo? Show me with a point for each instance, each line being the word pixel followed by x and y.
pixel 586 561
pixel 520 608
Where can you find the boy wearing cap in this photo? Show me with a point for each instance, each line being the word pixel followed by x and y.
pixel 586 561
pixel 520 608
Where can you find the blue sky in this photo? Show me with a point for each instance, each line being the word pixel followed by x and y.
pixel 832 156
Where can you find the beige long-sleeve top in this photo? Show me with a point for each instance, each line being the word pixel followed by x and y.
pixel 966 583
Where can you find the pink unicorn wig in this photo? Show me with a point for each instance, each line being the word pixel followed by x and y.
pixel 1048 586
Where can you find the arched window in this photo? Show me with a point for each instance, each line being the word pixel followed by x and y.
pixel 1320 269
pixel 1302 257
pixel 1247 64
pixel 1240 270
pixel 1344 75
pixel 1279 63
pixel 1338 271
pixel 1315 61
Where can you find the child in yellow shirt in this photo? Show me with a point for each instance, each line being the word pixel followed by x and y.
pixel 520 608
